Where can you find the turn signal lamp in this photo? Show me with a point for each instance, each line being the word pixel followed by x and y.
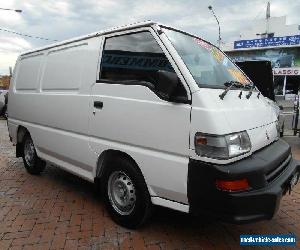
pixel 232 185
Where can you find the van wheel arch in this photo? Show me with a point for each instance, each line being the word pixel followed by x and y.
pixel 104 159
pixel 122 183
pixel 22 131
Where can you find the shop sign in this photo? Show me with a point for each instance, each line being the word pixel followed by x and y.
pixel 286 71
pixel 268 42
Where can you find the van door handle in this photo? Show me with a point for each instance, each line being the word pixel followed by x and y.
pixel 98 104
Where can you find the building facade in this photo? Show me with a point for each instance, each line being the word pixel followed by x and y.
pixel 4 82
pixel 273 40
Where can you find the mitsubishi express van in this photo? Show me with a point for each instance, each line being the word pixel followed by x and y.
pixel 156 116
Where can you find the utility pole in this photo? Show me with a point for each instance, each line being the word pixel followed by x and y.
pixel 268 15
pixel 219 39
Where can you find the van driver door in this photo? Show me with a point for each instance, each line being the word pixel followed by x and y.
pixel 130 112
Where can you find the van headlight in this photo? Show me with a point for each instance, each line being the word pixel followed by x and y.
pixel 222 146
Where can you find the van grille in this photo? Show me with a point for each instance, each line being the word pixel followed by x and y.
pixel 274 173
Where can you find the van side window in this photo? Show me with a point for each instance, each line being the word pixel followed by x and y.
pixel 134 57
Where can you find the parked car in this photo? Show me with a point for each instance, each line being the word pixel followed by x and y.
pixel 155 116
pixel 3 102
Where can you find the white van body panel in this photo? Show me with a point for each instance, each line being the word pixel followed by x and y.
pixel 165 146
pixel 154 132
pixel 243 114
pixel 232 115
pixel 57 107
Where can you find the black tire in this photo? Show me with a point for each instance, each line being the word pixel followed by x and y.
pixel 4 112
pixel 34 165
pixel 141 210
pixel 281 134
pixel 281 130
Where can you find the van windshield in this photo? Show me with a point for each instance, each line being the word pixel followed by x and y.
pixel 209 66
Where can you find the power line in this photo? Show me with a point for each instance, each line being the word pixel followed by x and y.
pixel 19 11
pixel 26 35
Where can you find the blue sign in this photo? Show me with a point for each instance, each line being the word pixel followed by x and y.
pixel 268 240
pixel 268 42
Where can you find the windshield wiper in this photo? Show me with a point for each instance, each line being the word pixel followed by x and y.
pixel 247 86
pixel 250 91
pixel 229 85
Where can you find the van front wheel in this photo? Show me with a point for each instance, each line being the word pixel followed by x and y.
pixel 33 164
pixel 126 194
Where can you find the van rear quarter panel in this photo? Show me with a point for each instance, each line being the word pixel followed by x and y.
pixel 56 111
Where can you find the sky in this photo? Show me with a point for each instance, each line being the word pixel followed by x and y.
pixel 63 19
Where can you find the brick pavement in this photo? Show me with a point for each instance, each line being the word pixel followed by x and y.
pixel 60 211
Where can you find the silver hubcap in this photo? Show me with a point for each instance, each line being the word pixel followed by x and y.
pixel 29 152
pixel 121 193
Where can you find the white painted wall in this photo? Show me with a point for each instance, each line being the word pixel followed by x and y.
pixel 277 25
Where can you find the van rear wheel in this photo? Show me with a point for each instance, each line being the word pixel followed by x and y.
pixel 33 164
pixel 126 194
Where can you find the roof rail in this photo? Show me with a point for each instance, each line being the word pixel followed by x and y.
pixel 94 34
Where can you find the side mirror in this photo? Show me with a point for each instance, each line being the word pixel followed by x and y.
pixel 280 107
pixel 166 83
pixel 180 99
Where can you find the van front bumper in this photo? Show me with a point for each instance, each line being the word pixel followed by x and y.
pixel 269 173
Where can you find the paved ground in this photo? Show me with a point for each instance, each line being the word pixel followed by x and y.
pixel 60 211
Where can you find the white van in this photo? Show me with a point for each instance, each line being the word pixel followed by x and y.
pixel 157 116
